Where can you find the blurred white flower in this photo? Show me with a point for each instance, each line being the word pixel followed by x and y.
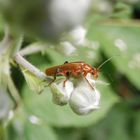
pixel 121 45
pixel 67 48
pixel 135 61
pixel 84 99
pixel 61 93
pixel 65 14
pixel 34 119
pixel 46 19
pixel 78 35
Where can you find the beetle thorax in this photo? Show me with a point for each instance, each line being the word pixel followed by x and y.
pixel 87 69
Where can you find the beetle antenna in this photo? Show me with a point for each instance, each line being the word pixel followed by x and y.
pixel 105 62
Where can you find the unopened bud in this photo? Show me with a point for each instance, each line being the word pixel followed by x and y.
pixel 84 99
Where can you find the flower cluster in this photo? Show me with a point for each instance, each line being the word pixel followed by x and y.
pixel 83 97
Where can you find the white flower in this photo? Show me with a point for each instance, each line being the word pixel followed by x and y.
pixel 84 99
pixel 82 96
pixel 61 93
pixel 67 13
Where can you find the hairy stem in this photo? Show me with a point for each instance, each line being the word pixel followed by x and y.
pixel 25 64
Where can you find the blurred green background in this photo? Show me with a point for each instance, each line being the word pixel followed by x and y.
pixel 113 27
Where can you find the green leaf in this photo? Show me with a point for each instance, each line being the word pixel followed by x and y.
pixel 137 126
pixel 2 132
pixel 1 24
pixel 70 133
pixel 39 132
pixel 23 127
pixel 36 84
pixel 43 107
pixel 122 41
pixel 114 125
pixel 122 11
pixel 122 121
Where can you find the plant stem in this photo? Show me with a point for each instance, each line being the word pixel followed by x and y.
pixel 5 43
pixel 25 64
pixel 33 48
pixel 14 92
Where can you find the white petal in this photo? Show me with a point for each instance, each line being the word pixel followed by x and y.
pixel 94 82
pixel 61 93
pixel 91 79
pixel 84 99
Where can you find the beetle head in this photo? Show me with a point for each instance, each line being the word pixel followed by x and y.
pixel 95 73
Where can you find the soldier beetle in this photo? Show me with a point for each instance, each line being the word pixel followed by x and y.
pixel 74 69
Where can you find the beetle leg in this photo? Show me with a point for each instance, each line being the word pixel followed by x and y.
pixel 64 83
pixel 67 77
pixel 88 81
pixel 54 78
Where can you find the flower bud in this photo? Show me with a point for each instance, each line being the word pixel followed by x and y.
pixel 84 99
pixel 61 93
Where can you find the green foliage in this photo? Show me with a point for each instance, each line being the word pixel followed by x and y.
pixel 2 132
pixel 42 106
pixel 35 84
pixel 23 127
pixel 122 42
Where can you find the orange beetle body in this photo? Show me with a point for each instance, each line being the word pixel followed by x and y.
pixel 73 69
